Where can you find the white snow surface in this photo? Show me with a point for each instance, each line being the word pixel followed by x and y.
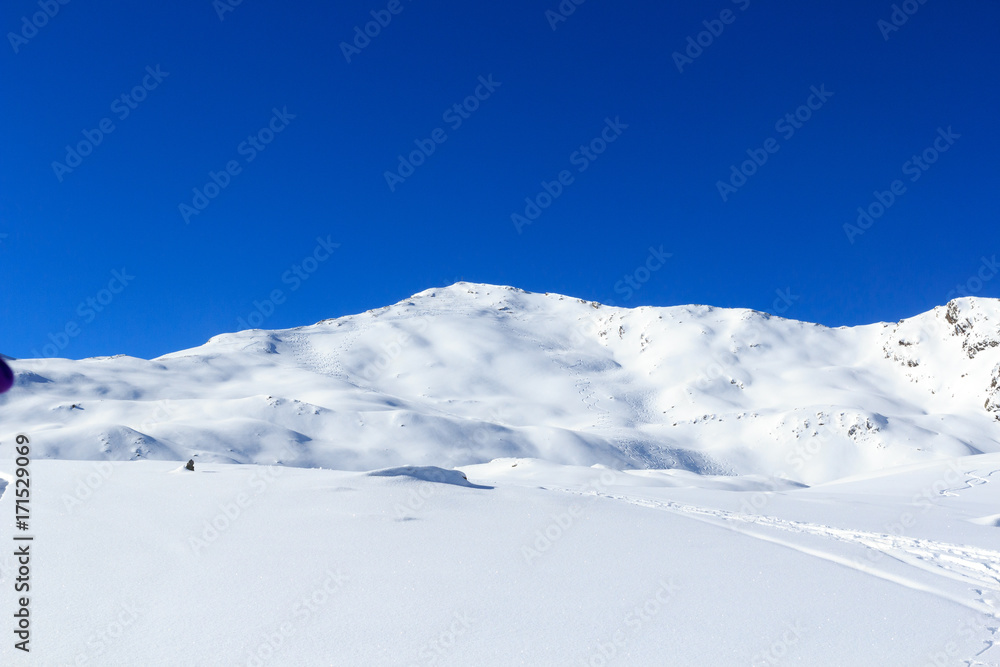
pixel 470 373
pixel 526 562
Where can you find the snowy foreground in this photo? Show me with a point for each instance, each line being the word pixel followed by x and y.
pixel 527 562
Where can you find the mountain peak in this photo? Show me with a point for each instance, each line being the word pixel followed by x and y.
pixel 472 372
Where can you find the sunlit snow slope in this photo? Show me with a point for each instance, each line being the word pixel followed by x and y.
pixel 470 373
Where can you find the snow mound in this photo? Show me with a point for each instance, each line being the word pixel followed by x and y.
pixel 991 520
pixel 428 474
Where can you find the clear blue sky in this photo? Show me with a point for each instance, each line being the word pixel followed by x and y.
pixel 550 92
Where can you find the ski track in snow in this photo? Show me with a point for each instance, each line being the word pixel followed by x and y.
pixel 308 357
pixel 972 481
pixel 602 424
pixel 977 567
pixel 588 396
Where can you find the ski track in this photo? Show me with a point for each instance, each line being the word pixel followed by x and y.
pixel 308 357
pixel 972 481
pixel 588 396
pixel 602 425
pixel 976 567
pixel 585 388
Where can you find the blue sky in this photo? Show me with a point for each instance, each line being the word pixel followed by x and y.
pixel 626 148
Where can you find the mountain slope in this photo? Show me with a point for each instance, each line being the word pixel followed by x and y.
pixel 470 373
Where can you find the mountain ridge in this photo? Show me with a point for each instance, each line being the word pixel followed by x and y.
pixel 471 372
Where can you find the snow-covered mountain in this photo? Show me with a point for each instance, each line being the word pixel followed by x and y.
pixel 575 533
pixel 470 373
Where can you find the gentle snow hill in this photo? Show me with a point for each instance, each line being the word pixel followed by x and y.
pixel 470 373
